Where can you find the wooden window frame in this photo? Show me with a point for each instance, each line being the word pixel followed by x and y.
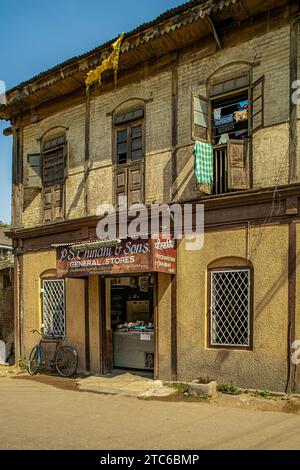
pixel 56 186
pixel 250 307
pixel 128 126
pixel 130 164
pixel 248 90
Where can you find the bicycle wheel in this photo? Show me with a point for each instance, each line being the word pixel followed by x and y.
pixel 66 361
pixel 33 362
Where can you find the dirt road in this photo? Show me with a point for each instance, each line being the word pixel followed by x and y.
pixel 35 415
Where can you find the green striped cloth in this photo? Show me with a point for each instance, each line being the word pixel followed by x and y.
pixel 204 170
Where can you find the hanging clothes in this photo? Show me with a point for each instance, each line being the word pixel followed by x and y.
pixel 203 167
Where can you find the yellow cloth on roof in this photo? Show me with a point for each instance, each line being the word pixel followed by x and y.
pixel 112 62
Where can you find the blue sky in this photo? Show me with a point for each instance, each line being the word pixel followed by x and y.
pixel 38 34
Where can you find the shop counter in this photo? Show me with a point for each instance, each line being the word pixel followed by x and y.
pixel 134 349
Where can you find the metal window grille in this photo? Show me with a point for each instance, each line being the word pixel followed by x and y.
pixel 230 308
pixel 54 308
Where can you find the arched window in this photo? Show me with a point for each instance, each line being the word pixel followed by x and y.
pixel 226 119
pixel 230 286
pixel 129 149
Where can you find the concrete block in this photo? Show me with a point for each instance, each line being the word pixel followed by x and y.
pixel 203 390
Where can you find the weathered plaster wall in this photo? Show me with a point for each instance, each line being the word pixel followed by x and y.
pixel 164 326
pixel 94 325
pixel 42 265
pixel 75 318
pixel 265 366
pixel 297 326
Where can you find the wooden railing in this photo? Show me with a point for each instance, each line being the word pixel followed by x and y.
pixel 220 169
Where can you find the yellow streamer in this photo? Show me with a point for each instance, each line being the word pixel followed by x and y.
pixel 112 62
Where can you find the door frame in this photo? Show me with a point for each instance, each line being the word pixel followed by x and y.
pixel 104 354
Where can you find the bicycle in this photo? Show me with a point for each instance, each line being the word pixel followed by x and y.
pixel 65 358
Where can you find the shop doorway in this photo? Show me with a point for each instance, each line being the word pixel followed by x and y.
pixel 130 322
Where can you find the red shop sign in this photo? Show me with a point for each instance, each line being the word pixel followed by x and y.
pixel 129 256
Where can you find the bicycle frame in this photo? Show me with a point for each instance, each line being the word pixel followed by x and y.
pixel 60 360
pixel 41 350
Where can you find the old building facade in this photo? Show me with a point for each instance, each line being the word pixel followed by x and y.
pixel 219 71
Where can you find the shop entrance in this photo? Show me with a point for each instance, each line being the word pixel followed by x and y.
pixel 132 321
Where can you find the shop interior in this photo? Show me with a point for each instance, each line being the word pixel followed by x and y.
pixel 132 321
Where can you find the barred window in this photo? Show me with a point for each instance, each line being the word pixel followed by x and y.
pixel 230 307
pixel 54 317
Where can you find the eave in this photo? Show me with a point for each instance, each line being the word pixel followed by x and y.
pixel 170 32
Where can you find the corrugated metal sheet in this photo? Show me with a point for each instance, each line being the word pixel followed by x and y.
pixel 193 13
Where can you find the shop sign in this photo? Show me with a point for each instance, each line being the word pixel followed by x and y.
pixel 129 256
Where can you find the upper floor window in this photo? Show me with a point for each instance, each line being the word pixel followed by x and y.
pixel 54 161
pixel 47 171
pixel 129 155
pixel 129 144
pixel 227 119
pixel 129 136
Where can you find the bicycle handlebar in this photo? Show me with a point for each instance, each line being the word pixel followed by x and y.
pixel 47 336
pixel 36 331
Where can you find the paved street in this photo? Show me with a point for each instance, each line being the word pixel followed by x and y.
pixel 35 415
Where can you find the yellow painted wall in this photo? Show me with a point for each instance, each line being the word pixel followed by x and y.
pixel 75 318
pixel 164 326
pixel 265 366
pixel 297 329
pixel 42 264
pixel 94 326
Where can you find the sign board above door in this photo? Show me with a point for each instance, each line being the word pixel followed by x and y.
pixel 129 256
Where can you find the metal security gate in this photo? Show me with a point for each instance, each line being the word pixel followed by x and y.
pixel 230 308
pixel 54 317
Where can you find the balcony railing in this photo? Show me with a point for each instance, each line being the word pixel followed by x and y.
pixel 220 169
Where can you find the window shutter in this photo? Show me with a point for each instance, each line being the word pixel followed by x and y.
pixel 257 105
pixel 238 164
pixel 200 118
pixel 135 186
pixel 34 179
pixel 120 183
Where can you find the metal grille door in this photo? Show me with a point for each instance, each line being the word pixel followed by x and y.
pixel 54 308
pixel 230 308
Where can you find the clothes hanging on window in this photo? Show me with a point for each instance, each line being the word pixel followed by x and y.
pixel 203 167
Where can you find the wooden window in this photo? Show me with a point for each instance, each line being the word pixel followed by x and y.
pixel 231 84
pixel 53 176
pixel 34 173
pixel 230 307
pixel 129 170
pixel 228 119
pixel 129 182
pixel 129 144
pixel 200 111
